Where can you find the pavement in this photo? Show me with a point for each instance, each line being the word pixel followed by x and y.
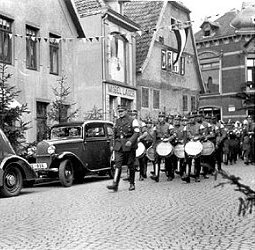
pixel 163 215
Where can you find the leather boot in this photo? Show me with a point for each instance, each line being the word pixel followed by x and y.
pixel 116 180
pixel 156 176
pixel 132 187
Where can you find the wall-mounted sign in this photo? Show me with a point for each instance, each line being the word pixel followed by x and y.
pixel 120 91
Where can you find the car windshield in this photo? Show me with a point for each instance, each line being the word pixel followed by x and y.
pixel 5 146
pixel 66 132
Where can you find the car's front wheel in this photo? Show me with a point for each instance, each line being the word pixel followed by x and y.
pixel 12 181
pixel 66 174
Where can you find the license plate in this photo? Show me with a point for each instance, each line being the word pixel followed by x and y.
pixel 39 166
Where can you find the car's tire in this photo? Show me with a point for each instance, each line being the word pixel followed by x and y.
pixel 12 181
pixel 66 173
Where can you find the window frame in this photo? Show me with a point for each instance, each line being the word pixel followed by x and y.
pixel 169 60
pixel 192 103
pixel 33 43
pixel 153 94
pixel 182 66
pixel 54 49
pixel 6 33
pixel 163 59
pixel 185 103
pixel 41 118
pixel 142 97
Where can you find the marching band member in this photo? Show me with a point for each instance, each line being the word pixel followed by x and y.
pixel 126 132
pixel 179 138
pixel 161 131
pixel 147 139
pixel 139 163
pixel 193 133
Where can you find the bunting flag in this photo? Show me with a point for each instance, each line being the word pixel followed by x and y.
pixel 178 30
pixel 181 37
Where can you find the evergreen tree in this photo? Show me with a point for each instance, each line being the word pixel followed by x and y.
pixel 11 112
pixel 59 109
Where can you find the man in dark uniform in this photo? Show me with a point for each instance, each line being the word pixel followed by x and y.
pixel 126 132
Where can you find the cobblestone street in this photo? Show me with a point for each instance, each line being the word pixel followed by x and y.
pixel 163 215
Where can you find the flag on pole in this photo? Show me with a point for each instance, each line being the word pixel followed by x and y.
pixel 181 36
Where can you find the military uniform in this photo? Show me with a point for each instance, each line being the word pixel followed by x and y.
pixel 126 132
pixel 179 138
pixel 161 131
pixel 193 132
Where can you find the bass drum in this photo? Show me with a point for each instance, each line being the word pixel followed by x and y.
pixel 208 148
pixel 193 148
pixel 140 151
pixel 164 149
pixel 179 151
pixel 150 153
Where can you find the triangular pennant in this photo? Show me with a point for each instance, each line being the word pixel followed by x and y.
pixel 10 35
pixel 90 39
pixel 139 32
pixel 147 31
pixel 39 39
pixel 181 36
pixel 97 38
pixel 45 39
pixel 32 38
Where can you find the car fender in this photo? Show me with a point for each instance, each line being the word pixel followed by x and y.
pixel 69 155
pixel 28 172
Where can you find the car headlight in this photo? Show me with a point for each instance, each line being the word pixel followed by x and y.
pixel 51 149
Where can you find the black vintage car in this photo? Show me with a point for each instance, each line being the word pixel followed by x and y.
pixel 15 171
pixel 74 150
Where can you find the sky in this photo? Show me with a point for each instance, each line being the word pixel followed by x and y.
pixel 201 9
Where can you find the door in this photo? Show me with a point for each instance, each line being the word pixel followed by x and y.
pixel 96 146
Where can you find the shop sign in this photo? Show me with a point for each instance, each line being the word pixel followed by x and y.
pixel 120 91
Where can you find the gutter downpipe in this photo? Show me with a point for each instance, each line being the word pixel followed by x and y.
pixel 103 65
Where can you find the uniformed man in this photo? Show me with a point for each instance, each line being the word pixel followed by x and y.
pixel 146 138
pixel 140 163
pixel 194 132
pixel 126 132
pixel 161 131
pixel 179 138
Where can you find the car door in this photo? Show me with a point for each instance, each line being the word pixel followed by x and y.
pixel 96 146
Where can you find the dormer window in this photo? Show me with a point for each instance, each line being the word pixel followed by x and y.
pixel 207 30
pixel 207 33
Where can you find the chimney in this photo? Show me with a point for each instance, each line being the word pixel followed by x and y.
pixel 117 5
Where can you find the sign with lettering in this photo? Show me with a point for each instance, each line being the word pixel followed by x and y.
pixel 120 91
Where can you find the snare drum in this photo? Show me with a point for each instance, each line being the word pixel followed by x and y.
pixel 179 151
pixel 193 148
pixel 150 153
pixel 140 151
pixel 208 148
pixel 164 149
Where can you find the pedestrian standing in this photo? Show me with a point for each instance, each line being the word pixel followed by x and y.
pixel 126 132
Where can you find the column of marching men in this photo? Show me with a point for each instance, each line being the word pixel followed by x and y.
pixel 191 146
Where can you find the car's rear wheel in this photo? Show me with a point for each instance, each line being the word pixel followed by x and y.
pixel 12 181
pixel 66 173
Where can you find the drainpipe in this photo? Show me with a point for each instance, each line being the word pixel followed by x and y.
pixel 103 44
